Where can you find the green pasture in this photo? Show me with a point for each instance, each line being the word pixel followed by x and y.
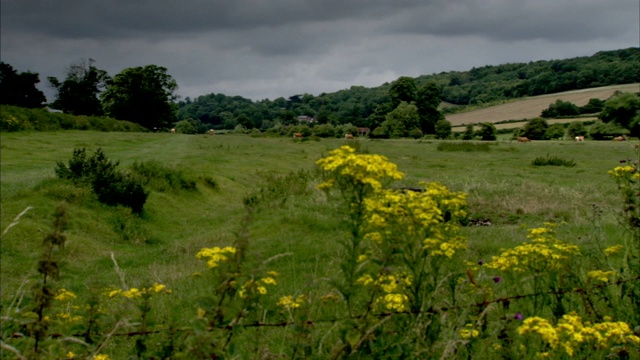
pixel 501 183
pixel 302 228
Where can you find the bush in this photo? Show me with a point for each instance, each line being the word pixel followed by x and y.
pixel 468 133
pixel 487 132
pixel 576 128
pixel 443 129
pixel 605 131
pixel 552 161
pixel 555 131
pixel 110 185
pixel 561 108
pixel 324 130
pixel 534 129
pixel 13 118
pixel 160 177
pixel 594 106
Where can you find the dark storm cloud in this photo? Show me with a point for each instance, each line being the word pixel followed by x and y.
pixel 77 18
pixel 507 20
pixel 271 48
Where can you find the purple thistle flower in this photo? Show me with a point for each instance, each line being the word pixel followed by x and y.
pixel 623 161
pixel 518 316
pixel 480 262
pixel 497 279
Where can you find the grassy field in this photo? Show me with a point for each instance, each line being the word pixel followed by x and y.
pixel 302 229
pixel 531 107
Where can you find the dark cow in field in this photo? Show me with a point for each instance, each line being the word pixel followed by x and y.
pixel 297 135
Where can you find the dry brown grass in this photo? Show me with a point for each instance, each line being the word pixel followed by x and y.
pixel 531 107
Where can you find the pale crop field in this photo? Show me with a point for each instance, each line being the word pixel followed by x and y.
pixel 531 107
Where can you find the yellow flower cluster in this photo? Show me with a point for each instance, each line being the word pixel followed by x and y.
pixel 601 275
pixel 422 216
pixel 469 332
pixel 64 294
pixel 392 286
pixel 361 169
pixel 258 286
pixel 570 333
pixel 137 293
pixel 215 255
pixel 625 172
pixel 69 318
pixel 612 250
pixel 288 302
pixel 544 252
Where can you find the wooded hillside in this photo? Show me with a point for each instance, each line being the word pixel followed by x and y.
pixel 482 85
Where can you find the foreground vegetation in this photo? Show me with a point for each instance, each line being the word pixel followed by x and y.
pixel 311 258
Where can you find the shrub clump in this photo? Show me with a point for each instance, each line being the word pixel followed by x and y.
pixel 160 177
pixel 111 186
pixel 552 161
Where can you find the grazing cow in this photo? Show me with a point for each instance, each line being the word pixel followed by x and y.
pixel 211 131
pixel 579 138
pixel 523 139
pixel 348 136
pixel 297 135
pixel 619 138
pixel 173 131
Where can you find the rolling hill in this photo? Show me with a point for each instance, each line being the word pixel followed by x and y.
pixel 531 107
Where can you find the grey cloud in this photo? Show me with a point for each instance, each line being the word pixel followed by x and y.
pixel 271 48
pixel 503 20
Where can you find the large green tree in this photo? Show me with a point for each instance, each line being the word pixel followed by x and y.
pixel 19 89
pixel 534 129
pixel 621 109
pixel 403 119
pixel 428 99
pixel 487 131
pixel 143 95
pixel 78 93
pixel 443 129
pixel 403 89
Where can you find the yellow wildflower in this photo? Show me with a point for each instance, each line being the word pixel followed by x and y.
pixel 288 302
pixel 64 295
pixel 613 250
pixel 601 275
pixel 132 293
pixel 469 332
pixel 215 255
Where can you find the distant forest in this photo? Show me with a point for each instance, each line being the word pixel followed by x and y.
pixel 481 85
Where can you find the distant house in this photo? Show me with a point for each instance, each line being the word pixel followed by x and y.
pixel 304 119
pixel 363 131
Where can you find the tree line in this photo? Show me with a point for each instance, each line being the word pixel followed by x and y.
pixel 406 107
pixel 144 95
pixel 367 107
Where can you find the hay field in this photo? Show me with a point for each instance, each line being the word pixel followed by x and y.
pixel 531 107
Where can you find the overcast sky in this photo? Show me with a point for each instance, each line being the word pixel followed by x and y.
pixel 262 49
